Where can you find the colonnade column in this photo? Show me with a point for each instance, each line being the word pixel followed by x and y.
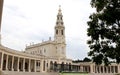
pixel 48 66
pixel 95 69
pixel 12 63
pixel 18 65
pixel 114 69
pixel 103 69
pixel 91 68
pixel 106 69
pixel 118 68
pixel 110 69
pixel 35 65
pixel 88 69
pixel 99 69
pixel 2 60
pixel 41 66
pixel 6 62
pixel 29 65
pixel 82 68
pixel 23 64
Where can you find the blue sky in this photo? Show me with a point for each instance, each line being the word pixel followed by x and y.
pixel 26 21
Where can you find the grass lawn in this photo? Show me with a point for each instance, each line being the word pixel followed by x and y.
pixel 74 73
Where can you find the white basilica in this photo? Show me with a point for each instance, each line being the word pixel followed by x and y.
pixel 52 48
pixel 47 57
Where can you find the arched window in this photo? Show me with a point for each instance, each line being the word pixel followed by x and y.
pixel 44 50
pixel 61 18
pixel 56 31
pixel 58 17
pixel 62 23
pixel 62 32
pixel 56 22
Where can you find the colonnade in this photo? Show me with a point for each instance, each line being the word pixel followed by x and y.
pixel 60 67
pixel 16 63
pixel 69 67
pixel 106 69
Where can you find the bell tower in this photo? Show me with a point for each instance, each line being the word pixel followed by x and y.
pixel 59 28
pixel 59 35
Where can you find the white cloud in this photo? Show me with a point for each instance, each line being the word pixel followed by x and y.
pixel 26 21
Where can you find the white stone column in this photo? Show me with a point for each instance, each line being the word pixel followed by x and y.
pixel 6 62
pixel 23 64
pixel 99 69
pixel 12 63
pixel 87 68
pixel 83 68
pixel 48 66
pixel 118 67
pixel 35 65
pixel 92 68
pixel 41 66
pixel 29 65
pixel 18 65
pixel 95 69
pixel 103 69
pixel 2 60
pixel 106 69
pixel 110 70
pixel 114 69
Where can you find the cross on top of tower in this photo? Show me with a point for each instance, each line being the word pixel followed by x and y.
pixel 59 9
pixel 59 6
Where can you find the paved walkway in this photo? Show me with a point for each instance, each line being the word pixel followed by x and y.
pixel 28 73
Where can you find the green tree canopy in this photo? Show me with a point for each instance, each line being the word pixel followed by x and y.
pixel 104 31
pixel 86 59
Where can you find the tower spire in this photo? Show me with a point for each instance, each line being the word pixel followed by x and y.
pixel 59 36
pixel 59 11
pixel 59 28
pixel 59 17
pixel 59 8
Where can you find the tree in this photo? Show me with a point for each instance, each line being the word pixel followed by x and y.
pixel 104 31
pixel 86 59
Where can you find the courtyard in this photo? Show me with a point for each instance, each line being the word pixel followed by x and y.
pixel 74 74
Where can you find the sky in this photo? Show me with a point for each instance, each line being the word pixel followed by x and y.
pixel 27 21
